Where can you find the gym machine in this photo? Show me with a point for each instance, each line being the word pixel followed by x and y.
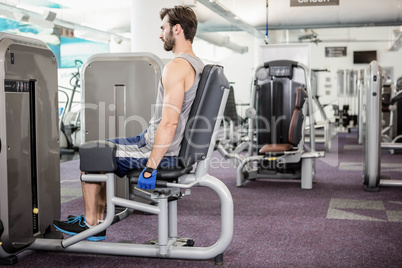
pixel 279 106
pixel 29 159
pixel 372 130
pixel 29 144
pixel 347 114
pixel 70 123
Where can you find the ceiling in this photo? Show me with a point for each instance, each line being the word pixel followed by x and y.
pixel 105 18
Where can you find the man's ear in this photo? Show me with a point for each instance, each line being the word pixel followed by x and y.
pixel 177 29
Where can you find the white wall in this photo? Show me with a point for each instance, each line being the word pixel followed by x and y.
pixel 239 68
pixel 376 39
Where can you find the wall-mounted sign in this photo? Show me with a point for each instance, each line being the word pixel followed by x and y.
pixel 335 52
pixel 302 3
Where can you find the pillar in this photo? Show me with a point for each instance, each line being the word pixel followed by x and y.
pixel 145 26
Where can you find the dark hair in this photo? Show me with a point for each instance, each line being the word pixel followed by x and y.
pixel 184 16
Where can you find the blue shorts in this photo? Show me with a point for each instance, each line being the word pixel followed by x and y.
pixel 129 156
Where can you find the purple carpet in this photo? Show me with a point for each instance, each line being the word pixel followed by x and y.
pixel 277 224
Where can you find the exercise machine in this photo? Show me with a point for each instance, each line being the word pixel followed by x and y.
pixel 388 111
pixel 276 127
pixel 70 121
pixel 196 150
pixel 372 130
pixel 391 114
pixel 235 131
pixel 346 113
pixel 29 144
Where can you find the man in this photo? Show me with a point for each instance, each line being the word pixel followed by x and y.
pixel 159 145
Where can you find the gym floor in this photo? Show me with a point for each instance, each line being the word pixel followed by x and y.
pixel 276 224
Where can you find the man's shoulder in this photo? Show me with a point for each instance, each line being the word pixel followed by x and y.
pixel 178 61
pixel 178 65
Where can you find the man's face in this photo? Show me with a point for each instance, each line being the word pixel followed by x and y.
pixel 167 35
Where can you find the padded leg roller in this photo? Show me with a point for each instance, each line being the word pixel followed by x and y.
pixel 98 156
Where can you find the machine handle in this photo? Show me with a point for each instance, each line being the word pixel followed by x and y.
pixel 394 100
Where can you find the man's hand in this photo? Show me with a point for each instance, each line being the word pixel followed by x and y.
pixel 147 183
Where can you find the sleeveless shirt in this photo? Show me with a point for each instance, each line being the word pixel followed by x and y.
pixel 188 100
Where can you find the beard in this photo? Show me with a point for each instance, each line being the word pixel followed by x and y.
pixel 169 43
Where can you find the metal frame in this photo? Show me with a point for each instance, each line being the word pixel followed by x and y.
pixel 167 222
pixel 360 89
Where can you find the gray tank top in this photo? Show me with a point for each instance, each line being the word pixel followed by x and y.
pixel 189 96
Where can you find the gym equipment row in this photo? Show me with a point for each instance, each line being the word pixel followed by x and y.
pixel 29 155
pixel 347 112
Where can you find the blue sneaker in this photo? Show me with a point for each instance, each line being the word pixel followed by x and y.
pixel 77 225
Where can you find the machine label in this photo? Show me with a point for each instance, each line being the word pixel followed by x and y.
pixel 16 86
pixel 302 3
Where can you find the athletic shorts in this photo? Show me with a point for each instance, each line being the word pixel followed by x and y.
pixel 131 155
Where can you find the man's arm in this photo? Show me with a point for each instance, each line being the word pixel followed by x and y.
pixel 175 78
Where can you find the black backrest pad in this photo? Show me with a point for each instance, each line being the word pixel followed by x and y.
pixel 275 104
pixel 267 96
pixel 301 96
pixel 203 115
pixel 295 128
pixel 230 112
pixel 296 124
